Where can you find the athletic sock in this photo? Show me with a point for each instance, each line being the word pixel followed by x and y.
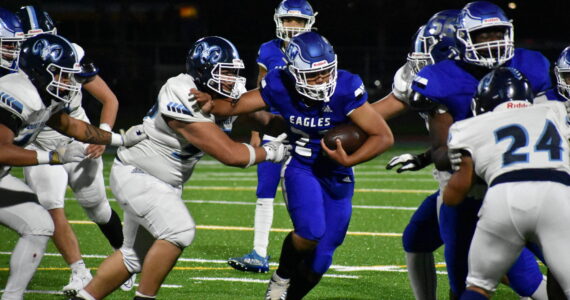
pixel 303 282
pixel 113 230
pixel 262 225
pixel 421 272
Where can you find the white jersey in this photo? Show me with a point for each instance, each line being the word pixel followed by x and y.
pixel 19 97
pixel 166 154
pixel 534 137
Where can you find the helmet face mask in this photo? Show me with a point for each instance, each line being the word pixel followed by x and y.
pixel 226 80
pixel 313 65
pixel 63 84
pixel 289 11
pixel 420 55
pixel 214 64
pixel 562 72
pixel 485 35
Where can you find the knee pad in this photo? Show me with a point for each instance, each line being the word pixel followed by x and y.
pixel 100 213
pixel 181 239
pixel 131 260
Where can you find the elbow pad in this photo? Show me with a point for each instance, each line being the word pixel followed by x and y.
pixel 419 102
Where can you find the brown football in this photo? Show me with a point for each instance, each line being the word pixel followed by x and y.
pixel 350 135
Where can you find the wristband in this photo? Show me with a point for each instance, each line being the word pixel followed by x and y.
pixel 105 126
pixel 43 157
pixel 116 139
pixel 252 155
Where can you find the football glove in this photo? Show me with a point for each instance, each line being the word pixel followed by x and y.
pixel 67 153
pixel 277 150
pixel 409 162
pixel 454 158
pixel 132 136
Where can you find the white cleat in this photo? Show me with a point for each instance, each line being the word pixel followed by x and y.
pixel 128 285
pixel 77 281
pixel 277 288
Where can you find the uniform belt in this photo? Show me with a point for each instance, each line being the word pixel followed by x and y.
pixel 533 175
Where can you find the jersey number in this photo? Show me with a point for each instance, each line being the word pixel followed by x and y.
pixel 550 142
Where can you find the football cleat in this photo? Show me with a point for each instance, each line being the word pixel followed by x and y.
pixel 77 281
pixel 128 285
pixel 277 288
pixel 251 262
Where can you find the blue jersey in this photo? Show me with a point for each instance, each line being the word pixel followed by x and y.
pixel 554 95
pixel 307 125
pixel 448 84
pixel 271 55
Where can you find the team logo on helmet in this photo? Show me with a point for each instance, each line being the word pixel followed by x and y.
pixel 207 54
pixel 292 52
pixel 47 50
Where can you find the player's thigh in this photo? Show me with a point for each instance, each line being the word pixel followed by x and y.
pixel 86 181
pixel 553 231
pixel 49 183
pixel 156 205
pixel 20 210
pixel 303 194
pixel 422 232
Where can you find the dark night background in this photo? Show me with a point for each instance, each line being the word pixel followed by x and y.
pixel 139 44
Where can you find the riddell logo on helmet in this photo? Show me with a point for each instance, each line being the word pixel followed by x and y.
pixel 295 12
pixel 320 63
pixel 517 104
pixel 491 20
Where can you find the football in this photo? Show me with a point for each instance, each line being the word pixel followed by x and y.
pixel 349 134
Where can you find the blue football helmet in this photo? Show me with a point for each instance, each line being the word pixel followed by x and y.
pixel 35 21
pixel 483 16
pixel 311 56
pixel 562 72
pixel 502 85
pixel 214 63
pixel 50 62
pixel 293 9
pixel 11 38
pixel 435 41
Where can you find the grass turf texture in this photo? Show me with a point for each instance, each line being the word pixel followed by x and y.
pixel 369 265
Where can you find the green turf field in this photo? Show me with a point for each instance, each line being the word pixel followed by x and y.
pixel 369 265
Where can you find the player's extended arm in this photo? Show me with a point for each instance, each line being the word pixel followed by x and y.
pixel 90 134
pixel 249 101
pixel 460 182
pixel 439 124
pixel 213 141
pixel 389 106
pixel 379 139
pixel 99 89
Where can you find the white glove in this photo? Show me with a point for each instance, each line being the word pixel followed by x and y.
pixel 409 162
pixel 454 159
pixel 132 136
pixel 277 151
pixel 67 153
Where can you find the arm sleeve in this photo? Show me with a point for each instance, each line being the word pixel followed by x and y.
pixel 359 95
pixel 458 139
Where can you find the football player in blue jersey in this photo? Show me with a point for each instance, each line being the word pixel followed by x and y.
pixel 444 90
pixel 432 43
pixel 292 17
pixel 313 97
pixel 562 74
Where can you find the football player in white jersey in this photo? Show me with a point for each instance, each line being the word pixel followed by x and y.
pixel 31 98
pixel 522 152
pixel 147 179
pixel 84 178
